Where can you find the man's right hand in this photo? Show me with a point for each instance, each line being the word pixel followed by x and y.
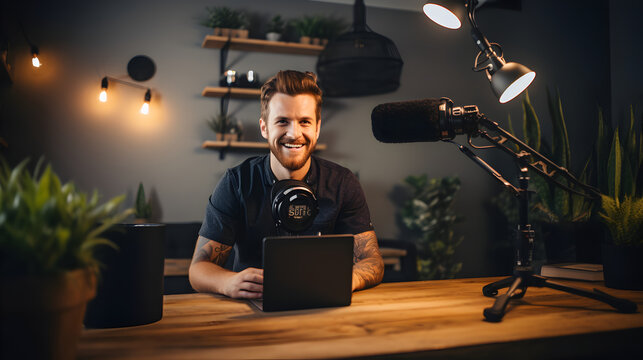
pixel 247 284
pixel 208 275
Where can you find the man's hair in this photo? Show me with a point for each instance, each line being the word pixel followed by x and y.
pixel 291 82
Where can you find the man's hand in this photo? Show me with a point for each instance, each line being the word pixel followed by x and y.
pixel 368 266
pixel 208 275
pixel 247 284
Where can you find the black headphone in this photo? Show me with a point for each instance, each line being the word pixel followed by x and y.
pixel 294 205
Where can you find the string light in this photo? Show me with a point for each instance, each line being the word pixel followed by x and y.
pixel 103 93
pixel 145 109
pixel 34 60
pixel 104 83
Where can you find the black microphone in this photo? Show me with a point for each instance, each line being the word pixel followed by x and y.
pixel 423 120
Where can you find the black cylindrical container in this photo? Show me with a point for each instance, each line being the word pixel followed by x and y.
pixel 130 287
pixel 622 266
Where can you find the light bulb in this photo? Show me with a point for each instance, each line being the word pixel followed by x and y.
pixel 442 16
pixel 145 109
pixel 517 87
pixel 35 62
pixel 103 93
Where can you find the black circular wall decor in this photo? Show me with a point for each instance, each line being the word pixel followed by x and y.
pixel 141 68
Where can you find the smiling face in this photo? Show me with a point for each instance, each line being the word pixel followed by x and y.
pixel 292 129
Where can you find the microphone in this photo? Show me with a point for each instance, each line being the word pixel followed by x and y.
pixel 425 120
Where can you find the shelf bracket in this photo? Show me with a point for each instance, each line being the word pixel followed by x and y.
pixel 223 57
pixel 225 100
pixel 224 149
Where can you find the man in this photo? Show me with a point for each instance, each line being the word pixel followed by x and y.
pixel 239 211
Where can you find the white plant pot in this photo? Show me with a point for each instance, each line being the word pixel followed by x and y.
pixel 273 36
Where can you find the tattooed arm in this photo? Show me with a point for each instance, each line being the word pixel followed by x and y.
pixel 368 266
pixel 208 275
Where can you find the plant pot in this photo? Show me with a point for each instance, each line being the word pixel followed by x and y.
pixel 241 33
pixel 315 41
pixel 224 32
pixel 572 241
pixel 218 136
pixel 304 39
pixel 230 137
pixel 130 290
pixel 41 316
pixel 273 36
pixel 622 268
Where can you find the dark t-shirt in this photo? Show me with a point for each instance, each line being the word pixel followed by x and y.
pixel 239 214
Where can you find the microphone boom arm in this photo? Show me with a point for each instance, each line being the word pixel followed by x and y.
pixel 541 164
pixel 483 164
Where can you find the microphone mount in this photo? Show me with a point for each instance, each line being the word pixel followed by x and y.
pixel 467 120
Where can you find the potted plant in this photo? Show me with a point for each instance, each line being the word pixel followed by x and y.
pixel 235 131
pixel 142 208
pixel 49 233
pixel 621 204
pixel 275 28
pixel 225 127
pixel 226 22
pixel 328 28
pixel 307 28
pixel 428 214
pixel 562 218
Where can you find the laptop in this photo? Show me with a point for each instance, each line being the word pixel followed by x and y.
pixel 305 272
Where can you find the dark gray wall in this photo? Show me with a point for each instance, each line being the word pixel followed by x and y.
pixel 626 58
pixel 54 111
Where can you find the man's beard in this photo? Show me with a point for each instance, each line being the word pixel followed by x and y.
pixel 291 163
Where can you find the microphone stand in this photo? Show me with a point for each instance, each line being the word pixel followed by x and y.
pixel 523 274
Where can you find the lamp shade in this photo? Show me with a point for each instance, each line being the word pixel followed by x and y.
pixel 510 80
pixel 443 15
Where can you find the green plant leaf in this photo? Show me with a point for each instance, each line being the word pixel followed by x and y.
pixel 428 214
pixel 581 206
pixel 543 190
pixel 602 150
pixel 614 163
pixel 560 144
pixel 627 176
pixel 624 219
pixel 44 224
pixel 143 208
pixel 531 125
pixel 510 129
pixel 631 148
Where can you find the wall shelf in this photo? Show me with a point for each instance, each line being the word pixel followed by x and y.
pixel 235 93
pixel 280 47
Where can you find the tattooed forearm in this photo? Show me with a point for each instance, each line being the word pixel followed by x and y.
pixel 212 251
pixel 368 268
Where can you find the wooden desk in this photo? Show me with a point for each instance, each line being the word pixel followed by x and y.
pixel 442 318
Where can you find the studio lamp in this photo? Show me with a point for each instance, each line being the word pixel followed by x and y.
pixel 103 90
pixel 508 79
pixel 145 109
pixel 442 15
